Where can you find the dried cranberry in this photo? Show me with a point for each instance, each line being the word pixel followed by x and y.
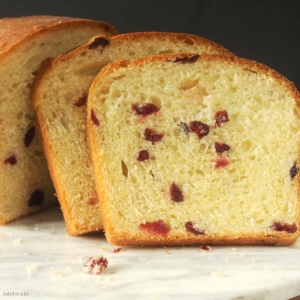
pixel 205 248
pixel 81 100
pixel 152 136
pixel 145 109
pixel 175 193
pixel 95 264
pixel 185 127
pixel 221 162
pixel 94 118
pixel 117 250
pixel 29 136
pixel 37 198
pixel 12 160
pixel 199 128
pixel 100 41
pixel 143 155
pixel 280 226
pixel 294 171
pixel 221 147
pixel 155 228
pixel 189 226
pixel 221 117
pixel 186 59
pixel 93 200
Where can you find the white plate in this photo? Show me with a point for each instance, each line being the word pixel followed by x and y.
pixel 39 260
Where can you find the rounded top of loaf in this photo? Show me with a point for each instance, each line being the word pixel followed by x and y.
pixel 14 31
pixel 246 64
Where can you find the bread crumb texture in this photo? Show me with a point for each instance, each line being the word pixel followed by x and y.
pixel 238 193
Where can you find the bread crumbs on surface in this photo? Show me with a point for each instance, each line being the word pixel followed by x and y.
pixel 18 241
pixel 233 249
pixel 31 269
pixel 103 248
pixel 27 253
pixel 218 273
pixel 36 227
pixel 52 228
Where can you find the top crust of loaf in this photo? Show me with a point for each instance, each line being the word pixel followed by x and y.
pixel 137 37
pixel 14 31
pixel 247 64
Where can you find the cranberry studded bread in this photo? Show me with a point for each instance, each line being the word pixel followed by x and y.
pixel 60 94
pixel 25 182
pixel 191 149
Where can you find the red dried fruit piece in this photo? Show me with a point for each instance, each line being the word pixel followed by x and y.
pixel 205 248
pixel 12 160
pixel 199 128
pixel 100 41
pixel 155 228
pixel 143 155
pixel 93 200
pixel 221 162
pixel 94 118
pixel 280 226
pixel 176 193
pixel 80 101
pixel 29 136
pixel 294 171
pixel 95 264
pixel 221 117
pixel 186 59
pixel 221 147
pixel 117 250
pixel 37 198
pixel 144 109
pixel 152 136
pixel 189 226
pixel 184 127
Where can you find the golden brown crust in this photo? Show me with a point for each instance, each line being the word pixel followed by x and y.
pixel 13 31
pixel 126 239
pixel 247 64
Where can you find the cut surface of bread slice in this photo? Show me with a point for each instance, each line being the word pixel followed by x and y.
pixel 195 150
pixel 25 183
pixel 60 95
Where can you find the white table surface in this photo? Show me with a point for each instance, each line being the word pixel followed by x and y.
pixel 39 260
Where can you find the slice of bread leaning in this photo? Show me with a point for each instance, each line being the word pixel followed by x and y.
pixel 60 94
pixel 191 149
pixel 25 183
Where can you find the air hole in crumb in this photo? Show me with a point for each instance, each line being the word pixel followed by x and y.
pixel 105 89
pixel 124 169
pixel 198 171
pixel 188 84
pixel 119 77
pixel 167 51
pixel 131 53
pixel 188 41
pixel 116 93
pixel 246 145
pixel 155 100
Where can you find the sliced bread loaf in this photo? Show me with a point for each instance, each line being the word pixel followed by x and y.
pixel 191 149
pixel 25 183
pixel 60 94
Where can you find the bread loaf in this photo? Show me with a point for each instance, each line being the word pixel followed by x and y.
pixel 25 183
pixel 191 149
pixel 60 94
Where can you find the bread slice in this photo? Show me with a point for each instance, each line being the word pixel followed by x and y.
pixel 25 183
pixel 191 149
pixel 59 97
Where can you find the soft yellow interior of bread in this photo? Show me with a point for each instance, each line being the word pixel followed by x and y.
pixel 244 198
pixel 17 115
pixel 64 123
